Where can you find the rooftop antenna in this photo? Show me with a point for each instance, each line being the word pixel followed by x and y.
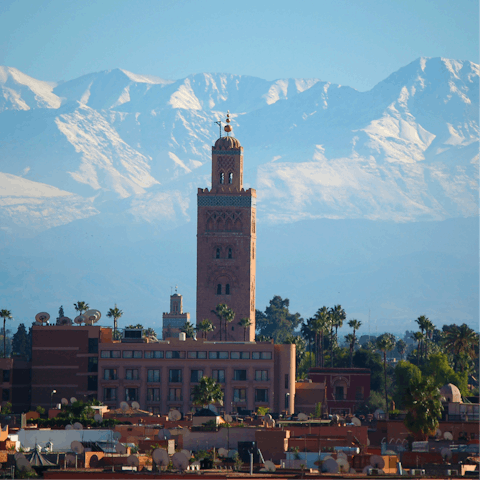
pixel 219 123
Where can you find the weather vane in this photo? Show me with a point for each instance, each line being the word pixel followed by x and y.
pixel 227 128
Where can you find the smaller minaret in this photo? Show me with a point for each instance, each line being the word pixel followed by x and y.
pixel 175 319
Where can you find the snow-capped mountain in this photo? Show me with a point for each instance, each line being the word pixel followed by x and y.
pixel 125 150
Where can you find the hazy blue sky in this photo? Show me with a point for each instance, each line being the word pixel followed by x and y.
pixel 356 43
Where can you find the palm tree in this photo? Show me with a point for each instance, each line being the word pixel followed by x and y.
pixel 355 324
pixel 245 323
pixel 81 307
pixel 424 408
pixel 206 392
pixel 228 316
pixel 422 322
pixel 6 315
pixel 188 330
pixel 309 335
pixel 321 325
pixel 462 342
pixel 300 347
pixel 401 347
pixel 114 313
pixel 350 339
pixel 418 336
pixel 338 316
pixel 385 343
pixel 220 311
pixel 205 326
pixel 429 329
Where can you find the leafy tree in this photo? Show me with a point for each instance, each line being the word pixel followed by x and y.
pixel 300 347
pixel 277 321
pixel 438 368
pixel 20 342
pixel 405 374
pixel 424 408
pixel 6 315
pixel 81 307
pixel 138 326
pixel 305 365
pixel 61 313
pixel 245 323
pixel 355 324
pixel 463 343
pixel 386 343
pixel 262 338
pixel 206 392
pixel 205 326
pixel 188 330
pixel 364 358
pixel 115 313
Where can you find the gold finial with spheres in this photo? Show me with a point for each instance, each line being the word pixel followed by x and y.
pixel 228 127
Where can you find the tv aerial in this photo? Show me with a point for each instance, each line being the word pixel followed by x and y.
pixel 174 415
pixel 160 457
pixel 180 461
pixel 42 317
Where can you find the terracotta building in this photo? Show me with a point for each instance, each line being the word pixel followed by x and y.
pixel 174 320
pixel 226 242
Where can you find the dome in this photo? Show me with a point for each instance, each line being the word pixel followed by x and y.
pixel 227 143
pixel 451 393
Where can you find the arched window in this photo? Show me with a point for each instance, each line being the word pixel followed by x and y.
pixel 230 178
pixel 222 178
pixel 219 289
pixel 227 289
pixel 230 253
pixel 217 253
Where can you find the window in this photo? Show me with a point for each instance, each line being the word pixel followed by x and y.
pixel 227 289
pixel 109 394
pixel 5 394
pixel 216 355
pixel 359 393
pixel 175 354
pixel 261 395
pixel 286 381
pixel 92 383
pixel 240 375
pixel 153 375
pixel 6 376
pixel 235 355
pixel 230 253
pixel 219 289
pixel 196 375
pixel 110 374
pixel 115 354
pixel 200 355
pixel 218 376
pixel 230 178
pixel 174 394
pixel 137 354
pixel 127 354
pixel 175 376
pixel 153 394
pixel 222 178
pixel 217 253
pixel 92 364
pixel 261 375
pixel 223 355
pixel 244 355
pixel 262 355
pixel 153 354
pixel 239 394
pixel 93 345
pixel 105 354
pixel 131 374
pixel 339 395
pixel 131 394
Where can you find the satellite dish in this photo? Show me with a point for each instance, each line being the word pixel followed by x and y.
pixel 213 408
pixel 378 413
pixel 174 415
pixel 133 461
pixel 270 466
pixel 187 453
pixel 160 457
pixel 367 470
pixel 42 317
pixel 448 436
pixel 164 434
pixel 77 447
pixel 223 452
pixel 73 400
pixel 117 435
pixel 342 455
pixel 343 465
pixel 376 461
pixel 330 466
pixel 232 453
pixel 180 461
pixel 63 321
pixel 69 427
pixel 438 433
pixel 77 426
pixel 98 418
pixel 22 463
pixel 302 416
pixel 80 319
pixel 446 453
pixel 356 421
pixel 120 448
pixel 92 316
pixel 228 418
pixel 135 405
pixel 64 401
pixel 70 460
pixel 124 406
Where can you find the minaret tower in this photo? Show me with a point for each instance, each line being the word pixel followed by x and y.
pixel 226 242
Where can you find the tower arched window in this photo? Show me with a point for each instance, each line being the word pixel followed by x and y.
pixel 222 178
pixel 217 252
pixel 230 178
pixel 219 289
pixel 230 253
pixel 227 289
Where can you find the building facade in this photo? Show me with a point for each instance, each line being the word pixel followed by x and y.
pixel 175 320
pixel 226 243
